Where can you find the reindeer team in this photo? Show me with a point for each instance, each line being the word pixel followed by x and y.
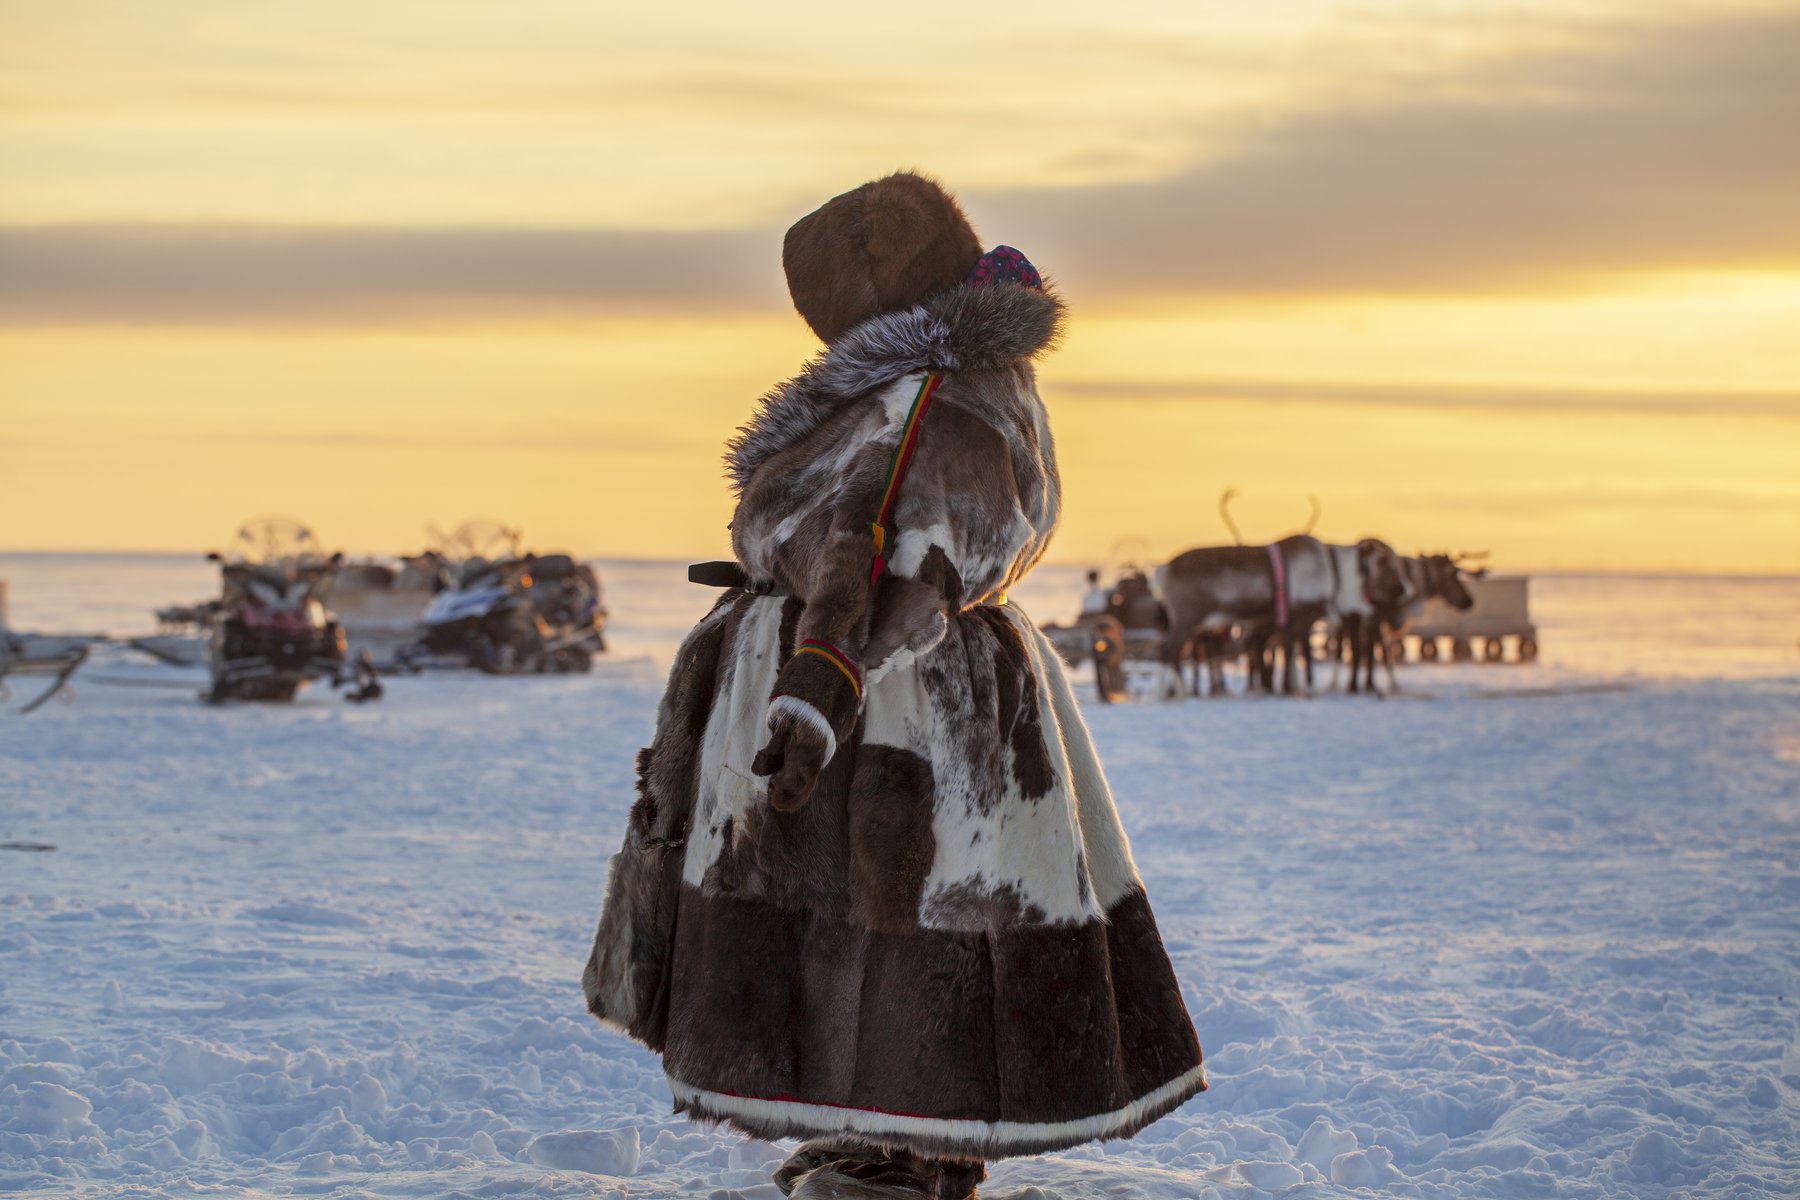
pixel 1273 597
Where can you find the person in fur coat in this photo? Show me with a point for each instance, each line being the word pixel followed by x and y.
pixel 874 892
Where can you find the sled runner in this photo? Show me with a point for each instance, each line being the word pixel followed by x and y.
pixel 31 654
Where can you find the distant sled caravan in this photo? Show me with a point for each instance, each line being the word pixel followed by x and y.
pixel 1277 606
pixel 1264 603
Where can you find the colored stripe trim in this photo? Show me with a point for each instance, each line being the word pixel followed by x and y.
pixel 909 441
pixel 836 658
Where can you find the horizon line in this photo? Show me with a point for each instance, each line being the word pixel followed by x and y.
pixel 1072 562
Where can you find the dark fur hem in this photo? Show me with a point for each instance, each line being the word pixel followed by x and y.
pixel 797 1015
pixel 929 1137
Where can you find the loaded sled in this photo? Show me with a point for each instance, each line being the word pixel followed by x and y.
pixel 1500 615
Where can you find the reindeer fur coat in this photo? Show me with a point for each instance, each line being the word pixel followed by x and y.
pixel 948 949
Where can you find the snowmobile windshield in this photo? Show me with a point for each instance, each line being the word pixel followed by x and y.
pixel 279 544
pixel 276 540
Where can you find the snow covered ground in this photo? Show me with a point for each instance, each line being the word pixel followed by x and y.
pixel 1533 932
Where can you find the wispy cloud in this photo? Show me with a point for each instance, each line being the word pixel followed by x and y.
pixel 229 274
pixel 1672 147
pixel 1660 148
pixel 1608 499
pixel 554 439
pixel 1455 396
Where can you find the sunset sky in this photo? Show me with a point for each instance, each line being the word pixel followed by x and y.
pixel 1516 276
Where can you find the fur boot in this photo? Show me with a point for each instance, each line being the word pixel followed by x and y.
pixel 847 1170
pixel 828 1183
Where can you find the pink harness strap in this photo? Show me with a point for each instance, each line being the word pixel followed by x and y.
pixel 1281 587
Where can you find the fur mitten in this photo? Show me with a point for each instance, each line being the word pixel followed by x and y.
pixel 817 698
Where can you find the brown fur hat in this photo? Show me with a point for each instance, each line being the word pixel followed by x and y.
pixel 884 246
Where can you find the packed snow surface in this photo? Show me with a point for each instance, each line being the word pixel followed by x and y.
pixel 1520 932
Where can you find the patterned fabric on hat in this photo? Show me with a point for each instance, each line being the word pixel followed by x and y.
pixel 1003 264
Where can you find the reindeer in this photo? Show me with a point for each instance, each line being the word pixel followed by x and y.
pixel 1272 594
pixel 1207 592
pixel 1298 560
pixel 1276 593
pixel 1370 576
pixel 1430 576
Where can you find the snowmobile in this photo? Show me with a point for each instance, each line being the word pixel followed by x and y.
pixel 517 615
pixel 566 594
pixel 271 634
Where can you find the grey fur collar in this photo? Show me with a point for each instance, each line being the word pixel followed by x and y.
pixel 967 329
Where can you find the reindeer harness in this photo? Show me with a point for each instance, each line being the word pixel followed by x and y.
pixel 1279 565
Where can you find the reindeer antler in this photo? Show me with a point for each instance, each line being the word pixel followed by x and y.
pixel 1462 558
pixel 1225 500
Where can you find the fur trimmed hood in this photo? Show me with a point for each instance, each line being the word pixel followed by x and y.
pixel 964 329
